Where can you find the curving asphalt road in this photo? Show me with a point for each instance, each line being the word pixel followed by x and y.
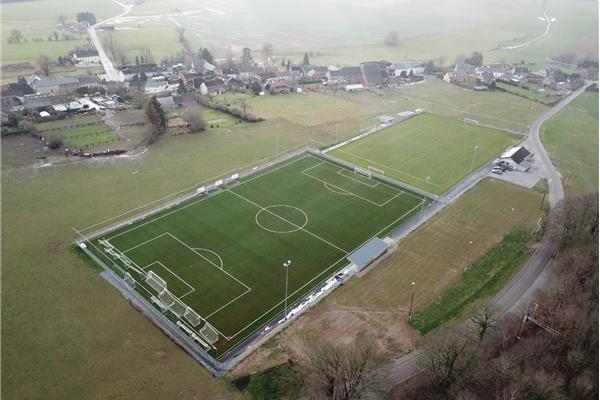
pixel 533 274
pixel 111 72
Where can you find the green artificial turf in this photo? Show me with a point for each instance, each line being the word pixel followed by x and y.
pixel 222 254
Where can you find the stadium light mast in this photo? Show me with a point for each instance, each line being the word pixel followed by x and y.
pixel 473 160
pixel 468 254
pixel 412 298
pixel 427 189
pixel 137 185
pixel 286 266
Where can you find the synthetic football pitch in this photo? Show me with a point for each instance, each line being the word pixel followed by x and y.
pixel 220 256
pixel 427 145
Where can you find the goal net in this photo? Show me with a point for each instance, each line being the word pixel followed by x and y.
pixel 209 333
pixel 129 279
pixel 192 317
pixel 376 170
pixel 362 171
pixel 155 281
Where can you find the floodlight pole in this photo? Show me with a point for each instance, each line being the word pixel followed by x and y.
pixel 286 266
pixel 412 298
pixel 426 189
pixel 137 185
pixel 473 160
pixel 468 254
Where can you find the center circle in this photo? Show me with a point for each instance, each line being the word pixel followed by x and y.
pixel 281 218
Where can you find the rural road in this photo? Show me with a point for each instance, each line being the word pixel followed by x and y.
pixel 111 72
pixel 533 274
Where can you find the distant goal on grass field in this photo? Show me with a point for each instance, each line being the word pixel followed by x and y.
pixel 471 121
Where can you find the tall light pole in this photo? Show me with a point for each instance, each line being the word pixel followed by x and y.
pixel 412 299
pixel 286 266
pixel 426 189
pixel 473 159
pixel 137 186
pixel 468 254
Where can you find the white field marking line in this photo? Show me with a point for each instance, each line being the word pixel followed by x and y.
pixel 387 167
pixel 175 275
pixel 206 197
pixel 398 219
pixel 281 205
pixel 143 243
pixel 289 295
pixel 352 193
pixel 340 172
pixel 119 250
pixel 289 222
pixel 212 263
pixel 212 252
pixel 321 273
pixel 343 192
pixel 384 184
pixel 225 305
pixel 244 167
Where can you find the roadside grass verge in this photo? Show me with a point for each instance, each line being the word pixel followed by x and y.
pixel 482 279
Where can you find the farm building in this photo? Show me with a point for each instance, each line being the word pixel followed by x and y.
pixel 519 157
pixel 404 70
pixel 373 73
pixel 85 58
pixel 56 86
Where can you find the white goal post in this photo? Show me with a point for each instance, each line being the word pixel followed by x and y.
pixel 362 171
pixel 155 282
pixel 376 170
pixel 471 121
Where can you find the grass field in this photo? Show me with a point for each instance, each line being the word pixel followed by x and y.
pixel 77 314
pixel 437 253
pixel 546 98
pixel 221 255
pixel 38 19
pixel 571 138
pixel 482 279
pixel 427 145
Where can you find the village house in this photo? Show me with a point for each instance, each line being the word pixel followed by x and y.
pixel 374 73
pixel 278 87
pixel 461 74
pixel 86 58
pixel 404 70
pixel 56 86
pixel 155 87
pixel 344 75
pixel 212 86
pixel 318 73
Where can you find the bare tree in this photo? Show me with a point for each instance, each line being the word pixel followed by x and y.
pixel 340 372
pixel 193 117
pixel 15 36
pixel 444 360
pixel 62 20
pixel 484 319
pixel 44 63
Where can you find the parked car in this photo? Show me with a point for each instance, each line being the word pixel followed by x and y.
pixel 498 171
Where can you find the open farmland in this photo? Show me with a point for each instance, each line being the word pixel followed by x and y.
pixel 39 19
pixel 427 146
pixel 571 137
pixel 501 110
pixel 107 334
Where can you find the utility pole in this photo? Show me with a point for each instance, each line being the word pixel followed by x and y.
pixel 286 266
pixel 473 159
pixel 412 299
pixel 468 255
pixel 137 186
